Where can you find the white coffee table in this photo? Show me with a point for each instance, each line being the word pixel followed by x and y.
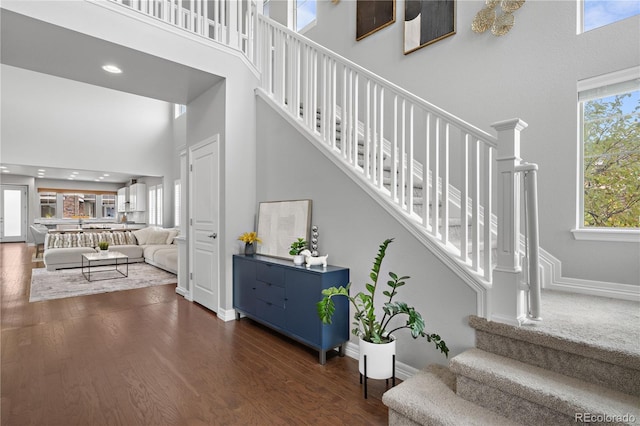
pixel 107 263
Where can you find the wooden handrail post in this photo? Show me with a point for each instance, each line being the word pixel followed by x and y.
pixel 507 299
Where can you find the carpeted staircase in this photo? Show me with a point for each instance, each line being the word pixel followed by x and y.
pixel 580 366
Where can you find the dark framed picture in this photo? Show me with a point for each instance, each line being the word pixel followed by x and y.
pixel 427 21
pixel 373 15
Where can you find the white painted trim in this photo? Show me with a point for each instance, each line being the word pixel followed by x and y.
pixel 618 235
pixel 165 26
pixel 553 280
pixel 226 315
pixel 447 256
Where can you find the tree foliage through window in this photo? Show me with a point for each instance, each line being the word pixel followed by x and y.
pixel 612 161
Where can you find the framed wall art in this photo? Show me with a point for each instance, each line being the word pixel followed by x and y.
pixel 280 223
pixel 427 21
pixel 373 15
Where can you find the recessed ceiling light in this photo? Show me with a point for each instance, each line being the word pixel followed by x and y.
pixel 75 173
pixel 100 178
pixel 112 69
pixel 41 170
pixel 5 171
pixel 106 174
pixel 3 167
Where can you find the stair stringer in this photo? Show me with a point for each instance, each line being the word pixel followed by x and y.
pixel 480 286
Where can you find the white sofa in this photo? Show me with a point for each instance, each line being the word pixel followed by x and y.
pixel 152 245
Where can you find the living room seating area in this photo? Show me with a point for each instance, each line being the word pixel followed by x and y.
pixel 151 245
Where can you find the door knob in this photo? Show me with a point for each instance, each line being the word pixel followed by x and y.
pixel 214 236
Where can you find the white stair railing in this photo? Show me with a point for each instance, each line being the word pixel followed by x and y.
pixel 354 112
pixel 456 183
pixel 229 22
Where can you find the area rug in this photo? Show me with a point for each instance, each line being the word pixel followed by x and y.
pixel 46 285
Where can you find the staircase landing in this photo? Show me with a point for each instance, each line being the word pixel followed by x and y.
pixel 583 358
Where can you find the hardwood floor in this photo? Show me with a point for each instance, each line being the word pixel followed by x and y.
pixel 150 357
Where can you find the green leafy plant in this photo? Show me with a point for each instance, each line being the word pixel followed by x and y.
pixel 367 326
pixel 103 245
pixel 297 246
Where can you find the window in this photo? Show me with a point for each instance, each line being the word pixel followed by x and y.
pixel 176 202
pixel 48 204
pixel 304 14
pixel 78 206
pixel 178 110
pixel 109 205
pixel 598 13
pixel 76 203
pixel 610 143
pixel 155 205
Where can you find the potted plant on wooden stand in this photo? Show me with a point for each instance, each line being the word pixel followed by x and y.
pixel 377 341
pixel 296 248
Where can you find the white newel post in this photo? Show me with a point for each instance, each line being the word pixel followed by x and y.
pixel 232 24
pixel 507 297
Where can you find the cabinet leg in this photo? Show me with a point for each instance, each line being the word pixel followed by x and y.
pixel 323 357
pixel 341 350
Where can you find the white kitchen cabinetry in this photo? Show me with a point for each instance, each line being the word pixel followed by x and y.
pixel 137 197
pixel 132 198
pixel 123 197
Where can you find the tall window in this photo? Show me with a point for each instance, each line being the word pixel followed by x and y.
pixel 177 190
pixel 610 112
pixel 304 14
pixel 109 205
pixel 48 204
pixel 178 110
pixel 598 13
pixel 155 205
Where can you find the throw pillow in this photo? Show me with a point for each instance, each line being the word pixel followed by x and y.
pixel 158 237
pixel 142 235
pixel 172 234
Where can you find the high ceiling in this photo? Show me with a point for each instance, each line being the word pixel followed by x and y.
pixel 42 47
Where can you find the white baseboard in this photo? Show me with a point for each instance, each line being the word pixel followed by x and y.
pixel 553 280
pixel 226 314
pixel 182 292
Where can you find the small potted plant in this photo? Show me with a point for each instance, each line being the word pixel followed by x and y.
pixel 104 247
pixel 296 247
pixel 376 336
pixel 249 239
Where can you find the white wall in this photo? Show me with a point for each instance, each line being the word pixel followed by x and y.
pixel 238 147
pixel 55 122
pixel 352 226
pixel 530 73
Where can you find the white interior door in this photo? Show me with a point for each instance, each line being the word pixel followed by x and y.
pixel 13 213
pixel 203 202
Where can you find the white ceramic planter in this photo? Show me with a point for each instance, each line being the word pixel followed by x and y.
pixel 379 359
pixel 298 259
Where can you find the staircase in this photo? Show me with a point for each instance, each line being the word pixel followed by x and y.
pixel 579 369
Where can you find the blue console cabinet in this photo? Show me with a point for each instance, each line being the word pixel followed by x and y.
pixel 283 296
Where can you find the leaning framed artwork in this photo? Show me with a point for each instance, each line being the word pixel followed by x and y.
pixel 427 21
pixel 280 223
pixel 373 15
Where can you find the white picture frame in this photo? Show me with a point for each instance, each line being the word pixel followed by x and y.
pixel 280 223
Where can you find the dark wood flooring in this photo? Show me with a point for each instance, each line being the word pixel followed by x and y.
pixel 150 357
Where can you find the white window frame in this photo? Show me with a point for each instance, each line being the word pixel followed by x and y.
pixel 581 19
pixel 177 191
pixel 294 5
pixel 155 205
pixel 593 233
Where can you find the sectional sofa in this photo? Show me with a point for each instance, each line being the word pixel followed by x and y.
pixel 152 245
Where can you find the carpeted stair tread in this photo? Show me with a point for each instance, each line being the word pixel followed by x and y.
pixel 553 391
pixel 428 398
pixel 560 338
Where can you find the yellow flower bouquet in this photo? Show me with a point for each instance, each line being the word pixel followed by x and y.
pixel 249 238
